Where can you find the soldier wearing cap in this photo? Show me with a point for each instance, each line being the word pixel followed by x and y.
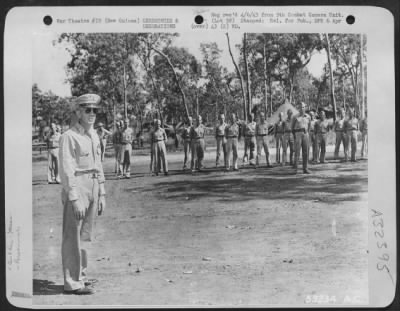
pixel 83 192
pixel 52 140
pixel 313 138
pixel 364 135
pixel 262 139
pixel 186 140
pixel 198 144
pixel 288 138
pixel 279 131
pixel 231 134
pixel 249 134
pixel 103 133
pixel 340 134
pixel 126 149
pixel 322 128
pixel 301 129
pixel 351 127
pixel 220 138
pixel 159 151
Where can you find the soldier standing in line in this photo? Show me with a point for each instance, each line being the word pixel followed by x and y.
pixel 159 151
pixel 364 137
pixel 52 140
pixel 288 138
pixel 232 134
pixel 249 134
pixel 116 140
pixel 186 140
pixel 279 133
pixel 220 138
pixel 351 127
pixel 126 150
pixel 313 138
pixel 340 135
pixel 103 133
pixel 262 139
pixel 83 193
pixel 301 128
pixel 322 128
pixel 198 144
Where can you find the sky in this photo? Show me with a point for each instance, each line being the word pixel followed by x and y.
pixel 49 60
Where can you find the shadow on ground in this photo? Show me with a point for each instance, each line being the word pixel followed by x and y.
pixel 44 287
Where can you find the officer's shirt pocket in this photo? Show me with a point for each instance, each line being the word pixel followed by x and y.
pixel 84 158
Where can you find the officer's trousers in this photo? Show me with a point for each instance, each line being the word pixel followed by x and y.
pixel 341 139
pixel 321 146
pixel 301 142
pixel 364 147
pixel 187 146
pixel 159 156
pixel 76 233
pixel 262 143
pixel 288 141
pixel 279 145
pixel 125 159
pixel 313 145
pixel 221 145
pixel 352 142
pixel 250 144
pixel 117 151
pixel 232 147
pixel 52 165
pixel 197 153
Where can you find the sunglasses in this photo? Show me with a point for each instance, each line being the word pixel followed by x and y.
pixel 89 110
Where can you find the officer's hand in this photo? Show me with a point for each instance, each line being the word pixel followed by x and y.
pixel 102 205
pixel 79 209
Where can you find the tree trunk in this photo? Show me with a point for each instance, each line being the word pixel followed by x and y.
pixel 248 82
pixel 125 106
pixel 362 78
pixel 265 83
pixel 270 96
pixel 328 50
pixel 240 78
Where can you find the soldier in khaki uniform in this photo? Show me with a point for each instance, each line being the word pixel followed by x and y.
pixel 322 128
pixel 232 134
pixel 313 138
pixel 220 138
pixel 53 139
pixel 288 138
pixel 340 134
pixel 126 150
pixel 351 127
pixel 83 192
pixel 364 137
pixel 158 139
pixel 279 132
pixel 186 140
pixel 301 129
pixel 198 144
pixel 262 139
pixel 103 133
pixel 250 139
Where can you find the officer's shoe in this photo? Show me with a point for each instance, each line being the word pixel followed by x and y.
pixel 306 171
pixel 80 291
pixel 166 173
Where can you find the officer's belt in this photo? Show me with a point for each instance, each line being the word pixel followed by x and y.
pixel 156 140
pixel 197 138
pixel 53 147
pixel 92 173
pixel 220 135
pixel 125 143
pixel 349 130
pixel 262 134
pixel 250 135
pixel 232 136
pixel 299 130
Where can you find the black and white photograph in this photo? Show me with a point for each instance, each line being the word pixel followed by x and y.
pixel 204 168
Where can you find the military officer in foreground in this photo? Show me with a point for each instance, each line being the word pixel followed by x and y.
pixel 187 142
pixel 83 193
pixel 250 139
pixel 221 139
pixel 279 131
pixel 262 139
pixel 301 129
pixel 232 134
pixel 198 144
pixel 351 127
pixel 288 138
pixel 340 135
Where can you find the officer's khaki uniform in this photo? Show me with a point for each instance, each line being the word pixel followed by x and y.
pixel 279 133
pixel 364 137
pixel 301 127
pixel 321 130
pixel 198 145
pixel 221 142
pixel 313 141
pixel 126 151
pixel 262 141
pixel 186 144
pixel 232 134
pixel 351 126
pixel 340 138
pixel 82 179
pixel 250 140
pixel 52 159
pixel 158 139
pixel 288 141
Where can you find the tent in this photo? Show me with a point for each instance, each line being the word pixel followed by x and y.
pixel 282 108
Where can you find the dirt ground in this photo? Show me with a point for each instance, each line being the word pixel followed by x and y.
pixel 250 238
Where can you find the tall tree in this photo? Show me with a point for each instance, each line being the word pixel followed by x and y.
pixel 332 82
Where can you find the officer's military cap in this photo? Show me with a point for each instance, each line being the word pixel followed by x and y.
pixel 88 101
